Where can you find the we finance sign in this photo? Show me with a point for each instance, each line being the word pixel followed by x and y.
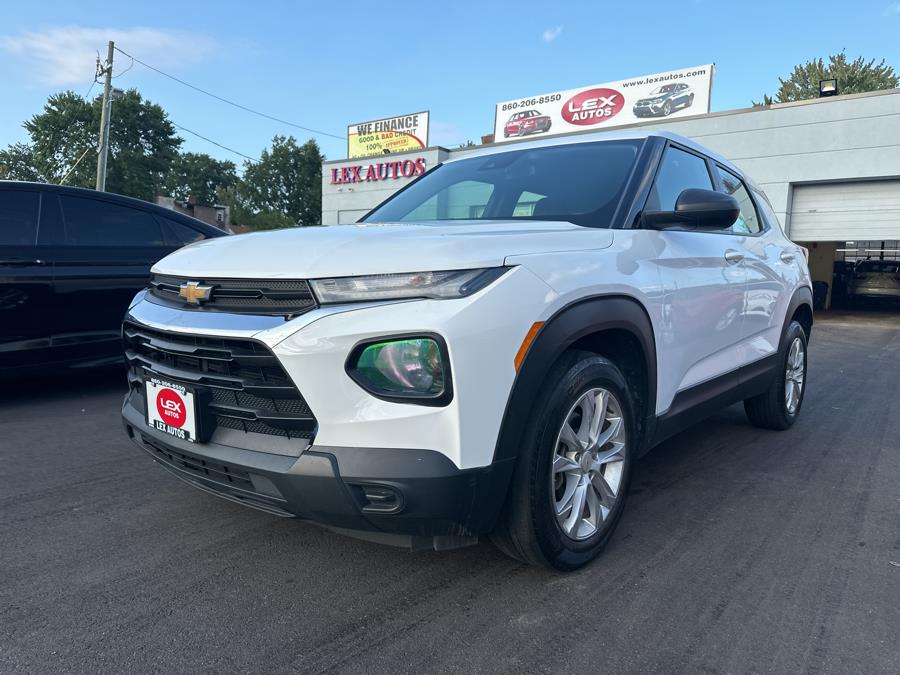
pixel 403 133
pixel 676 93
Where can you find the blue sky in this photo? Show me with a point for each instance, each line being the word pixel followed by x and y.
pixel 325 65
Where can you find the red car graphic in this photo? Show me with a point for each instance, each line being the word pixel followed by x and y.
pixel 526 122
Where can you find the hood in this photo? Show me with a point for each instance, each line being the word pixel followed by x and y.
pixel 373 248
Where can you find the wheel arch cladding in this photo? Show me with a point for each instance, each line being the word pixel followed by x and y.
pixel 800 309
pixel 615 327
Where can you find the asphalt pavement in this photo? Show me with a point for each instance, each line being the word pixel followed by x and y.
pixel 741 550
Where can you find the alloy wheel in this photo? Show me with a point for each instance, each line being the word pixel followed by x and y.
pixel 588 463
pixel 795 372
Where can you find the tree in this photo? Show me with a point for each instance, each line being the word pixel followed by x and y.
pixel 243 214
pixel 286 181
pixel 17 163
pixel 853 77
pixel 199 175
pixel 142 143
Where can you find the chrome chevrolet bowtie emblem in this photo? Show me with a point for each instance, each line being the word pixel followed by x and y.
pixel 194 293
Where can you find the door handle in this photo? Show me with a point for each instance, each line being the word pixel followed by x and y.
pixel 21 262
pixel 787 257
pixel 733 257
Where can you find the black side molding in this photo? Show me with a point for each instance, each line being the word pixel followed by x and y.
pixel 699 402
pixel 572 323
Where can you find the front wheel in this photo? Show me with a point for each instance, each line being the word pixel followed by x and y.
pixel 778 407
pixel 667 108
pixel 571 480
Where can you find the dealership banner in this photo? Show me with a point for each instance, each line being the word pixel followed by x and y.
pixel 403 133
pixel 676 93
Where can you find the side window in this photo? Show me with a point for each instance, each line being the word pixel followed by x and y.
pixel 767 212
pixel 178 234
pixel 748 220
pixel 92 222
pixel 678 171
pixel 18 217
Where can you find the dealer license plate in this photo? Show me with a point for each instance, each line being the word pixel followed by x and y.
pixel 171 409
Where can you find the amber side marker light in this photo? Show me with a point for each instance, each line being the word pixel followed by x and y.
pixel 526 343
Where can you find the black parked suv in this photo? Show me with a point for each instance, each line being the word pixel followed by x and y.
pixel 70 262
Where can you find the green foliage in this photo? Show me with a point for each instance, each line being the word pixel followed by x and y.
pixel 853 77
pixel 17 163
pixel 243 214
pixel 283 189
pixel 142 142
pixel 198 175
pixel 286 180
pixel 61 134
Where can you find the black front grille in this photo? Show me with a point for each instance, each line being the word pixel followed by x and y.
pixel 248 389
pixel 243 296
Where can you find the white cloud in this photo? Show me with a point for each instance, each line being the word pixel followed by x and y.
pixel 893 8
pixel 551 34
pixel 66 55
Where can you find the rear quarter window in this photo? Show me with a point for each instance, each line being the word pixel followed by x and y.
pixel 179 234
pixel 18 217
pixel 93 222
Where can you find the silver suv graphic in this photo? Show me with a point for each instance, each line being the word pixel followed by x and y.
pixel 665 100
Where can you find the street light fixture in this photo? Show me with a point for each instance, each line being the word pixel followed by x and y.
pixel 828 87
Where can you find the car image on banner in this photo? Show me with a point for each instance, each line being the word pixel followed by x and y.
pixel 526 122
pixel 665 100
pixel 674 93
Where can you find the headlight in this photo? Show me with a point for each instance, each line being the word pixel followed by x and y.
pixel 434 285
pixel 404 369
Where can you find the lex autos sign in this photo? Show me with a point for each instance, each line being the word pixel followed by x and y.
pixel 677 93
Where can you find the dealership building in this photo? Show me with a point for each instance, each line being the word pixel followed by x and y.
pixel 830 167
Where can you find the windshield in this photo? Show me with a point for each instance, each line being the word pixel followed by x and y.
pixel 579 183
pixel 665 89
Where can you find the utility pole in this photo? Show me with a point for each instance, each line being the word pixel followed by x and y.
pixel 103 148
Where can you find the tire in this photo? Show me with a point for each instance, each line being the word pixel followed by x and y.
pixel 554 465
pixel 779 406
pixel 690 101
pixel 667 109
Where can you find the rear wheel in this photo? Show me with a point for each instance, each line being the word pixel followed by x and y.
pixel 778 407
pixel 571 480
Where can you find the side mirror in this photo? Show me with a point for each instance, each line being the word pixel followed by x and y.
pixel 700 209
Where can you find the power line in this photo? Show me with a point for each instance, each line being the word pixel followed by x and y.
pixel 130 66
pixel 209 140
pixel 229 102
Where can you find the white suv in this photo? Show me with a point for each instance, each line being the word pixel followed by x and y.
pixel 487 353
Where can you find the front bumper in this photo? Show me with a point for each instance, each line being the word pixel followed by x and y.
pixel 875 292
pixel 412 498
pixel 650 110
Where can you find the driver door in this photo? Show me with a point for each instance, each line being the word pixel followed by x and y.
pixel 703 280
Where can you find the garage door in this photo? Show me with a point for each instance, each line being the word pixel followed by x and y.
pixel 846 211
